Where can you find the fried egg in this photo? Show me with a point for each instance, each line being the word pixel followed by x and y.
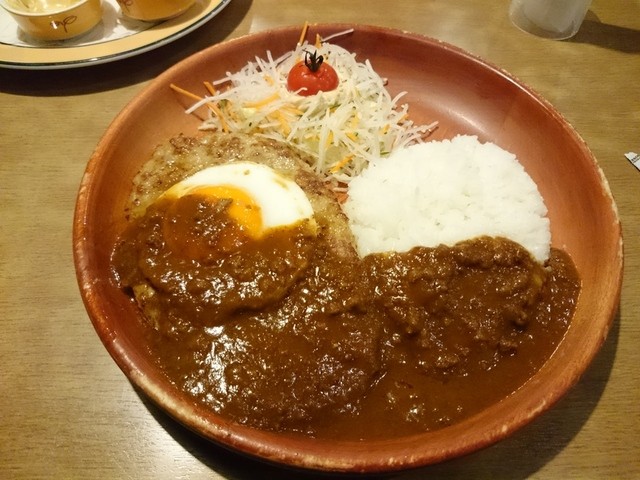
pixel 254 200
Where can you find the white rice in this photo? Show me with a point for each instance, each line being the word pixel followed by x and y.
pixel 445 192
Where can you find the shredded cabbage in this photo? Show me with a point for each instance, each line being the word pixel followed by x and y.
pixel 343 129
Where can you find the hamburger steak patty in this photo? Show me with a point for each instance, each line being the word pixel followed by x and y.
pixel 313 352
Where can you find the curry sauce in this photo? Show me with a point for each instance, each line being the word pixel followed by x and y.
pixel 392 344
pixel 298 333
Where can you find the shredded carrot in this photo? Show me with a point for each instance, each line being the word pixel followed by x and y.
pixel 353 136
pixel 210 88
pixel 284 124
pixel 211 106
pixel 269 79
pixel 214 107
pixel 272 119
pixel 263 102
pixel 226 105
pixel 330 138
pixel 292 110
pixel 353 123
pixel 303 34
pixel 277 117
pixel 185 92
pixel 318 41
pixel 220 115
pixel 341 163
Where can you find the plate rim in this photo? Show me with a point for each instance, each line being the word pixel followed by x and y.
pixel 11 56
pixel 255 443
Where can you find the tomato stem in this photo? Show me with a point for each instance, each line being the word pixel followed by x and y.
pixel 312 60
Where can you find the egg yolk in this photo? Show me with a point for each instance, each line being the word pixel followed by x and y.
pixel 211 221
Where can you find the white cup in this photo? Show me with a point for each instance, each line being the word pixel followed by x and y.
pixel 556 19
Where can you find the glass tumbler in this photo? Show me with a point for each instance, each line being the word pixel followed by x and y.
pixel 555 19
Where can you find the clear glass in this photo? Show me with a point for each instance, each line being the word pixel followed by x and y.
pixel 556 19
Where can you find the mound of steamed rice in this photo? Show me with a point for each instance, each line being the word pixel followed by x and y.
pixel 444 192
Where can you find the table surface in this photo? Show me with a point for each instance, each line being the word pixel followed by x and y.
pixel 67 411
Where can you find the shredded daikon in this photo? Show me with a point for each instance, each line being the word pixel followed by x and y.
pixel 342 129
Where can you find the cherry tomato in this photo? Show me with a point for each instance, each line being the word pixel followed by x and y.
pixel 312 76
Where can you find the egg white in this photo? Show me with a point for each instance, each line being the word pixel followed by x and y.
pixel 281 200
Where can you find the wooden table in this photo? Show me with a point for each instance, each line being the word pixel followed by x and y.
pixel 67 411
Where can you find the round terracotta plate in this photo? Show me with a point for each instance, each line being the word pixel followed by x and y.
pixel 466 96
pixel 114 38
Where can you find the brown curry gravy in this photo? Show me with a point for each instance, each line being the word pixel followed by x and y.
pixel 296 333
pixel 388 345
